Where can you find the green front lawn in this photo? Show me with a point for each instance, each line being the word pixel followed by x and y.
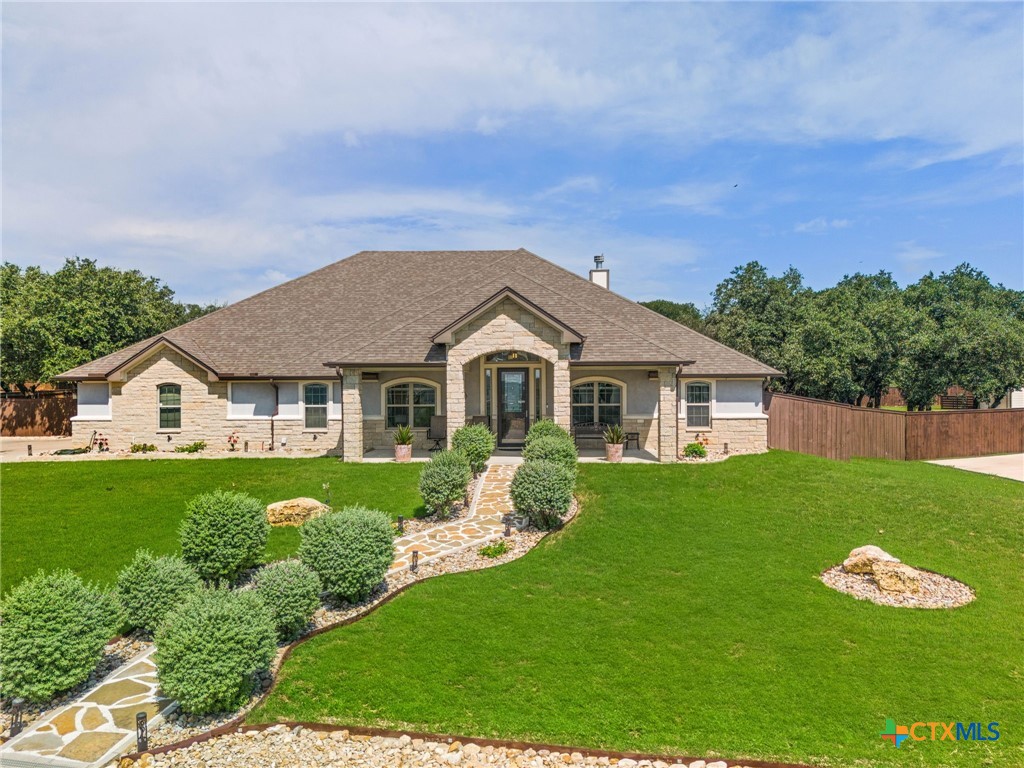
pixel 682 613
pixel 91 516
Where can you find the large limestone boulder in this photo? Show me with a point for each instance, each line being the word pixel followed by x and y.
pixel 295 511
pixel 863 559
pixel 898 578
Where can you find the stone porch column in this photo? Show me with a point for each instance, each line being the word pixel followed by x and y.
pixel 668 419
pixel 351 416
pixel 455 396
pixel 562 407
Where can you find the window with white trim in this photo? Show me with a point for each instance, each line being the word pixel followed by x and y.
pixel 314 399
pixel 698 404
pixel 599 401
pixel 170 406
pixel 411 403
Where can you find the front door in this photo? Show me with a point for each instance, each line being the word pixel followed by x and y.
pixel 513 406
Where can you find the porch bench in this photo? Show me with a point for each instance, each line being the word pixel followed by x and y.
pixel 594 430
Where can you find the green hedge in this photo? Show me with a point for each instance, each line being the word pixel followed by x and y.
pixel 350 550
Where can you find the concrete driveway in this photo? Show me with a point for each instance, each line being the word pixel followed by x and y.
pixel 1010 465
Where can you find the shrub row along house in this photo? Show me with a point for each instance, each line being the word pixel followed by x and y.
pixel 336 359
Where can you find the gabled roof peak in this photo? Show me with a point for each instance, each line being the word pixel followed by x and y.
pixel 446 334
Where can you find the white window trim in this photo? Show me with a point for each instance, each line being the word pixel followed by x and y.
pixel 624 411
pixel 531 395
pixel 159 408
pixel 301 402
pixel 438 411
pixel 110 406
pixel 230 416
pixel 715 414
pixel 326 406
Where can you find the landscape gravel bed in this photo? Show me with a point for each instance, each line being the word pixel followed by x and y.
pixel 936 591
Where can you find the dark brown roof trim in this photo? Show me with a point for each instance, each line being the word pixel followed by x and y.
pixel 633 363
pixel 142 353
pixel 518 297
pixel 419 364
pixel 762 375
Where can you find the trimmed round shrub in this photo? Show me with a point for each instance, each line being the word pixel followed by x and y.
pixel 545 428
pixel 350 550
pixel 52 635
pixel 210 647
pixel 223 534
pixel 443 481
pixel 476 443
pixel 291 592
pixel 695 451
pixel 149 587
pixel 559 450
pixel 542 490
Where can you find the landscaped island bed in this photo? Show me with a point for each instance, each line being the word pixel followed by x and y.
pixel 682 612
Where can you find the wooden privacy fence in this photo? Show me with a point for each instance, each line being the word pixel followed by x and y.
pixel 838 431
pixel 48 416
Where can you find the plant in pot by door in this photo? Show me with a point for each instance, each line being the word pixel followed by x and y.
pixel 614 438
pixel 403 443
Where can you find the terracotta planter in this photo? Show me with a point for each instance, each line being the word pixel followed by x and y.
pixel 403 453
pixel 613 452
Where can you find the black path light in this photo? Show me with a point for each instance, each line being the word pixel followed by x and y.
pixel 141 732
pixel 401 523
pixel 507 520
pixel 17 726
pixel 415 564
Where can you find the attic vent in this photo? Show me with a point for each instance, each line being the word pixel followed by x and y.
pixel 599 275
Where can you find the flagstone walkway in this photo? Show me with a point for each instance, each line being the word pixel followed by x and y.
pixel 100 725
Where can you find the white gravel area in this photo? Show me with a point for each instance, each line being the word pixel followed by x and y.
pixel 937 591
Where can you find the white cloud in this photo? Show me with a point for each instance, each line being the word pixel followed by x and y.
pixel 572 186
pixel 910 254
pixel 697 197
pixel 821 224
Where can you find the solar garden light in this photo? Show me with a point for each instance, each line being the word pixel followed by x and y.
pixel 17 726
pixel 30 449
pixel 415 564
pixel 141 732
pixel 401 523
pixel 507 520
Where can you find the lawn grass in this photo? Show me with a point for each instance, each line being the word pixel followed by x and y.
pixel 91 516
pixel 681 613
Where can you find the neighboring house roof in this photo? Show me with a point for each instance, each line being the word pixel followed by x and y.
pixel 380 308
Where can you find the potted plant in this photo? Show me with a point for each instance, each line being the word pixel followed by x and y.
pixel 403 443
pixel 614 438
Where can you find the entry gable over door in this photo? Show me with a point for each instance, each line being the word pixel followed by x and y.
pixel 447 335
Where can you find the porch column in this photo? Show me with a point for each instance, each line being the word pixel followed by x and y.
pixel 668 419
pixel 351 416
pixel 562 407
pixel 455 396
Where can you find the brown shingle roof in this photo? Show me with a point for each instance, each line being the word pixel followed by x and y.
pixel 384 307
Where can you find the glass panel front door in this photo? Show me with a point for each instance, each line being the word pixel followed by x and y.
pixel 513 406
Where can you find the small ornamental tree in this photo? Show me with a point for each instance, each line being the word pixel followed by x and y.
pixel 52 635
pixel 223 534
pixel 350 550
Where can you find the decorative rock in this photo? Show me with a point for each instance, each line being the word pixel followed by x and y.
pixel 698 764
pixel 863 559
pixel 897 577
pixel 718 764
pixel 295 511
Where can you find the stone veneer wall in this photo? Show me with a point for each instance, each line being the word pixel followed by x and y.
pixel 204 408
pixel 749 435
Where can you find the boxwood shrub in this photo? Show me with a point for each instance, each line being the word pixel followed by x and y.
pixel 560 450
pixel 544 428
pixel 52 635
pixel 210 647
pixel 350 550
pixel 291 591
pixel 443 481
pixel 149 587
pixel 223 534
pixel 542 490
pixel 476 443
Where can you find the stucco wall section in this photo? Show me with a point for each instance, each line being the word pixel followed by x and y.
pixel 135 415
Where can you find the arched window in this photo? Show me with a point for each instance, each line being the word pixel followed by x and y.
pixel 698 404
pixel 314 398
pixel 599 401
pixel 411 403
pixel 170 406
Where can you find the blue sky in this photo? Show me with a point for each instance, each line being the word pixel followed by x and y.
pixel 225 148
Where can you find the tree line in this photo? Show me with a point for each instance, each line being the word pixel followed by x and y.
pixel 851 342
pixel 52 322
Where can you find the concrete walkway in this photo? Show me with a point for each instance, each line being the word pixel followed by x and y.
pixel 96 727
pixel 1010 465
pixel 100 725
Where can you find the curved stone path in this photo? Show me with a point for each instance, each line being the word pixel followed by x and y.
pixel 100 724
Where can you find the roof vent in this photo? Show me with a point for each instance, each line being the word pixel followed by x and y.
pixel 599 274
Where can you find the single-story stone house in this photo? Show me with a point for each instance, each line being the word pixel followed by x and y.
pixel 334 361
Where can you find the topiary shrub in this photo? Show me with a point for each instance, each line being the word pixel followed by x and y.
pixel 443 481
pixel 149 587
pixel 545 428
pixel 542 490
pixel 223 534
pixel 210 647
pixel 52 635
pixel 476 443
pixel 560 450
pixel 350 550
pixel 695 451
pixel 291 592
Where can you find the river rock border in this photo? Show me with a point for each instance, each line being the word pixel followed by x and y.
pixel 936 591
